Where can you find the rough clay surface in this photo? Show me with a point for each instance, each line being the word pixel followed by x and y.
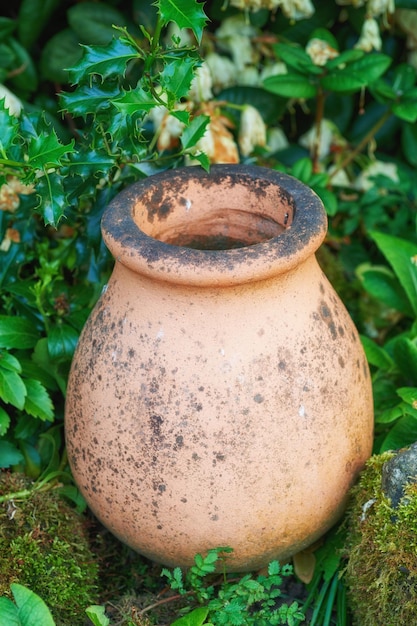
pixel 228 414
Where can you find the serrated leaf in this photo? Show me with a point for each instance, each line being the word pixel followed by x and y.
pixel 402 256
pixel 135 101
pixel 91 161
pixel 405 355
pixel 32 610
pixel 291 86
pixel 88 99
pixel 51 195
pixel 9 455
pixel 185 13
pixel 194 131
pixel 203 159
pixel 8 126
pixel 38 402
pixel 17 332
pixel 104 60
pixel 10 363
pixel 4 424
pixel 177 75
pixel 12 388
pixel 47 151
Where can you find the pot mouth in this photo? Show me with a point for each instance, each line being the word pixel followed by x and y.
pixel 234 224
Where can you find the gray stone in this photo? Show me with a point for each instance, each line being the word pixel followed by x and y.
pixel 398 472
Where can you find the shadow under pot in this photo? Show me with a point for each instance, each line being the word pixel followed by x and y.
pixel 219 394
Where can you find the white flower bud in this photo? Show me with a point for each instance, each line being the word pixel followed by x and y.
pixel 252 131
pixel 320 51
pixel 370 38
pixel 363 182
pixel 200 90
pixel 222 70
pixel 11 102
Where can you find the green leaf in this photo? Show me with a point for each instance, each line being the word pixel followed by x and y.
pixel 8 127
pixel 97 615
pixel 46 150
pixel 7 26
pixel 61 51
pixel 26 80
pixel 345 57
pixel 4 424
pixel 88 99
pixel 93 22
pixel 296 57
pixel 370 66
pixel 32 610
pixel 51 195
pixel 290 86
pixel 405 355
pixel 343 81
pixel 406 110
pixel 194 131
pixel 403 433
pixel 12 388
pixel 408 143
pixel 105 61
pixel 302 169
pixel 38 402
pixel 17 332
pixel 409 395
pixel 10 363
pixel 9 456
pixel 62 340
pixel 9 615
pixel 383 285
pixel 402 256
pixel 376 355
pixel 33 17
pixel 203 159
pixel 177 75
pixel 185 13
pixel 135 101
pixel 195 618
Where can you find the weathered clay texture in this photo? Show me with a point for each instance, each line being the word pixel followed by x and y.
pixel 218 397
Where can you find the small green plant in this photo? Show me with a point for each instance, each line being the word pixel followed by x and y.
pixel 28 609
pixel 249 600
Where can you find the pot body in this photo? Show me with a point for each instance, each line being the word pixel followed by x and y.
pixel 217 397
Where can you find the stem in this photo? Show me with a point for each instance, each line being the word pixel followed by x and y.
pixel 362 144
pixel 319 119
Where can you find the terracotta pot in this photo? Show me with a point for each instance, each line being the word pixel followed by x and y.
pixel 219 394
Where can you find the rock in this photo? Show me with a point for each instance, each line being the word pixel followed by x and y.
pixel 399 471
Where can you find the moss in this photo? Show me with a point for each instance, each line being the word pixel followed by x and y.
pixel 44 546
pixel 381 548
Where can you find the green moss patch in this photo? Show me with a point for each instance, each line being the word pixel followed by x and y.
pixel 381 546
pixel 44 546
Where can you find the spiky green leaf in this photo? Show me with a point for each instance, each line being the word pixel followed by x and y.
pixel 185 13
pixel 38 402
pixel 104 60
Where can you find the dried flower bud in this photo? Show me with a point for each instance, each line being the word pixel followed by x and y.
pixel 320 51
pixel 10 191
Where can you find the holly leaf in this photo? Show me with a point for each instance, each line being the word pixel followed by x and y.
pixel 52 202
pixel 177 75
pixel 135 101
pixel 88 99
pixel 185 13
pixel 104 60
pixel 8 126
pixel 38 402
pixel 46 150
pixel 194 131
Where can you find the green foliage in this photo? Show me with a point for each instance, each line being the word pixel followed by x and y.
pixel 29 610
pixel 250 600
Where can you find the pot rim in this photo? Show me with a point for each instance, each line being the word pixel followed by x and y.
pixel 156 259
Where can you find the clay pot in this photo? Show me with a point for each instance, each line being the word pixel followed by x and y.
pixel 219 394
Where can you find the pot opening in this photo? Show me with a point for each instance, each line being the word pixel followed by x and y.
pixel 209 218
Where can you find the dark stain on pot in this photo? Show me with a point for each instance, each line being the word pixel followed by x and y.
pixel 326 316
pixel 258 398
